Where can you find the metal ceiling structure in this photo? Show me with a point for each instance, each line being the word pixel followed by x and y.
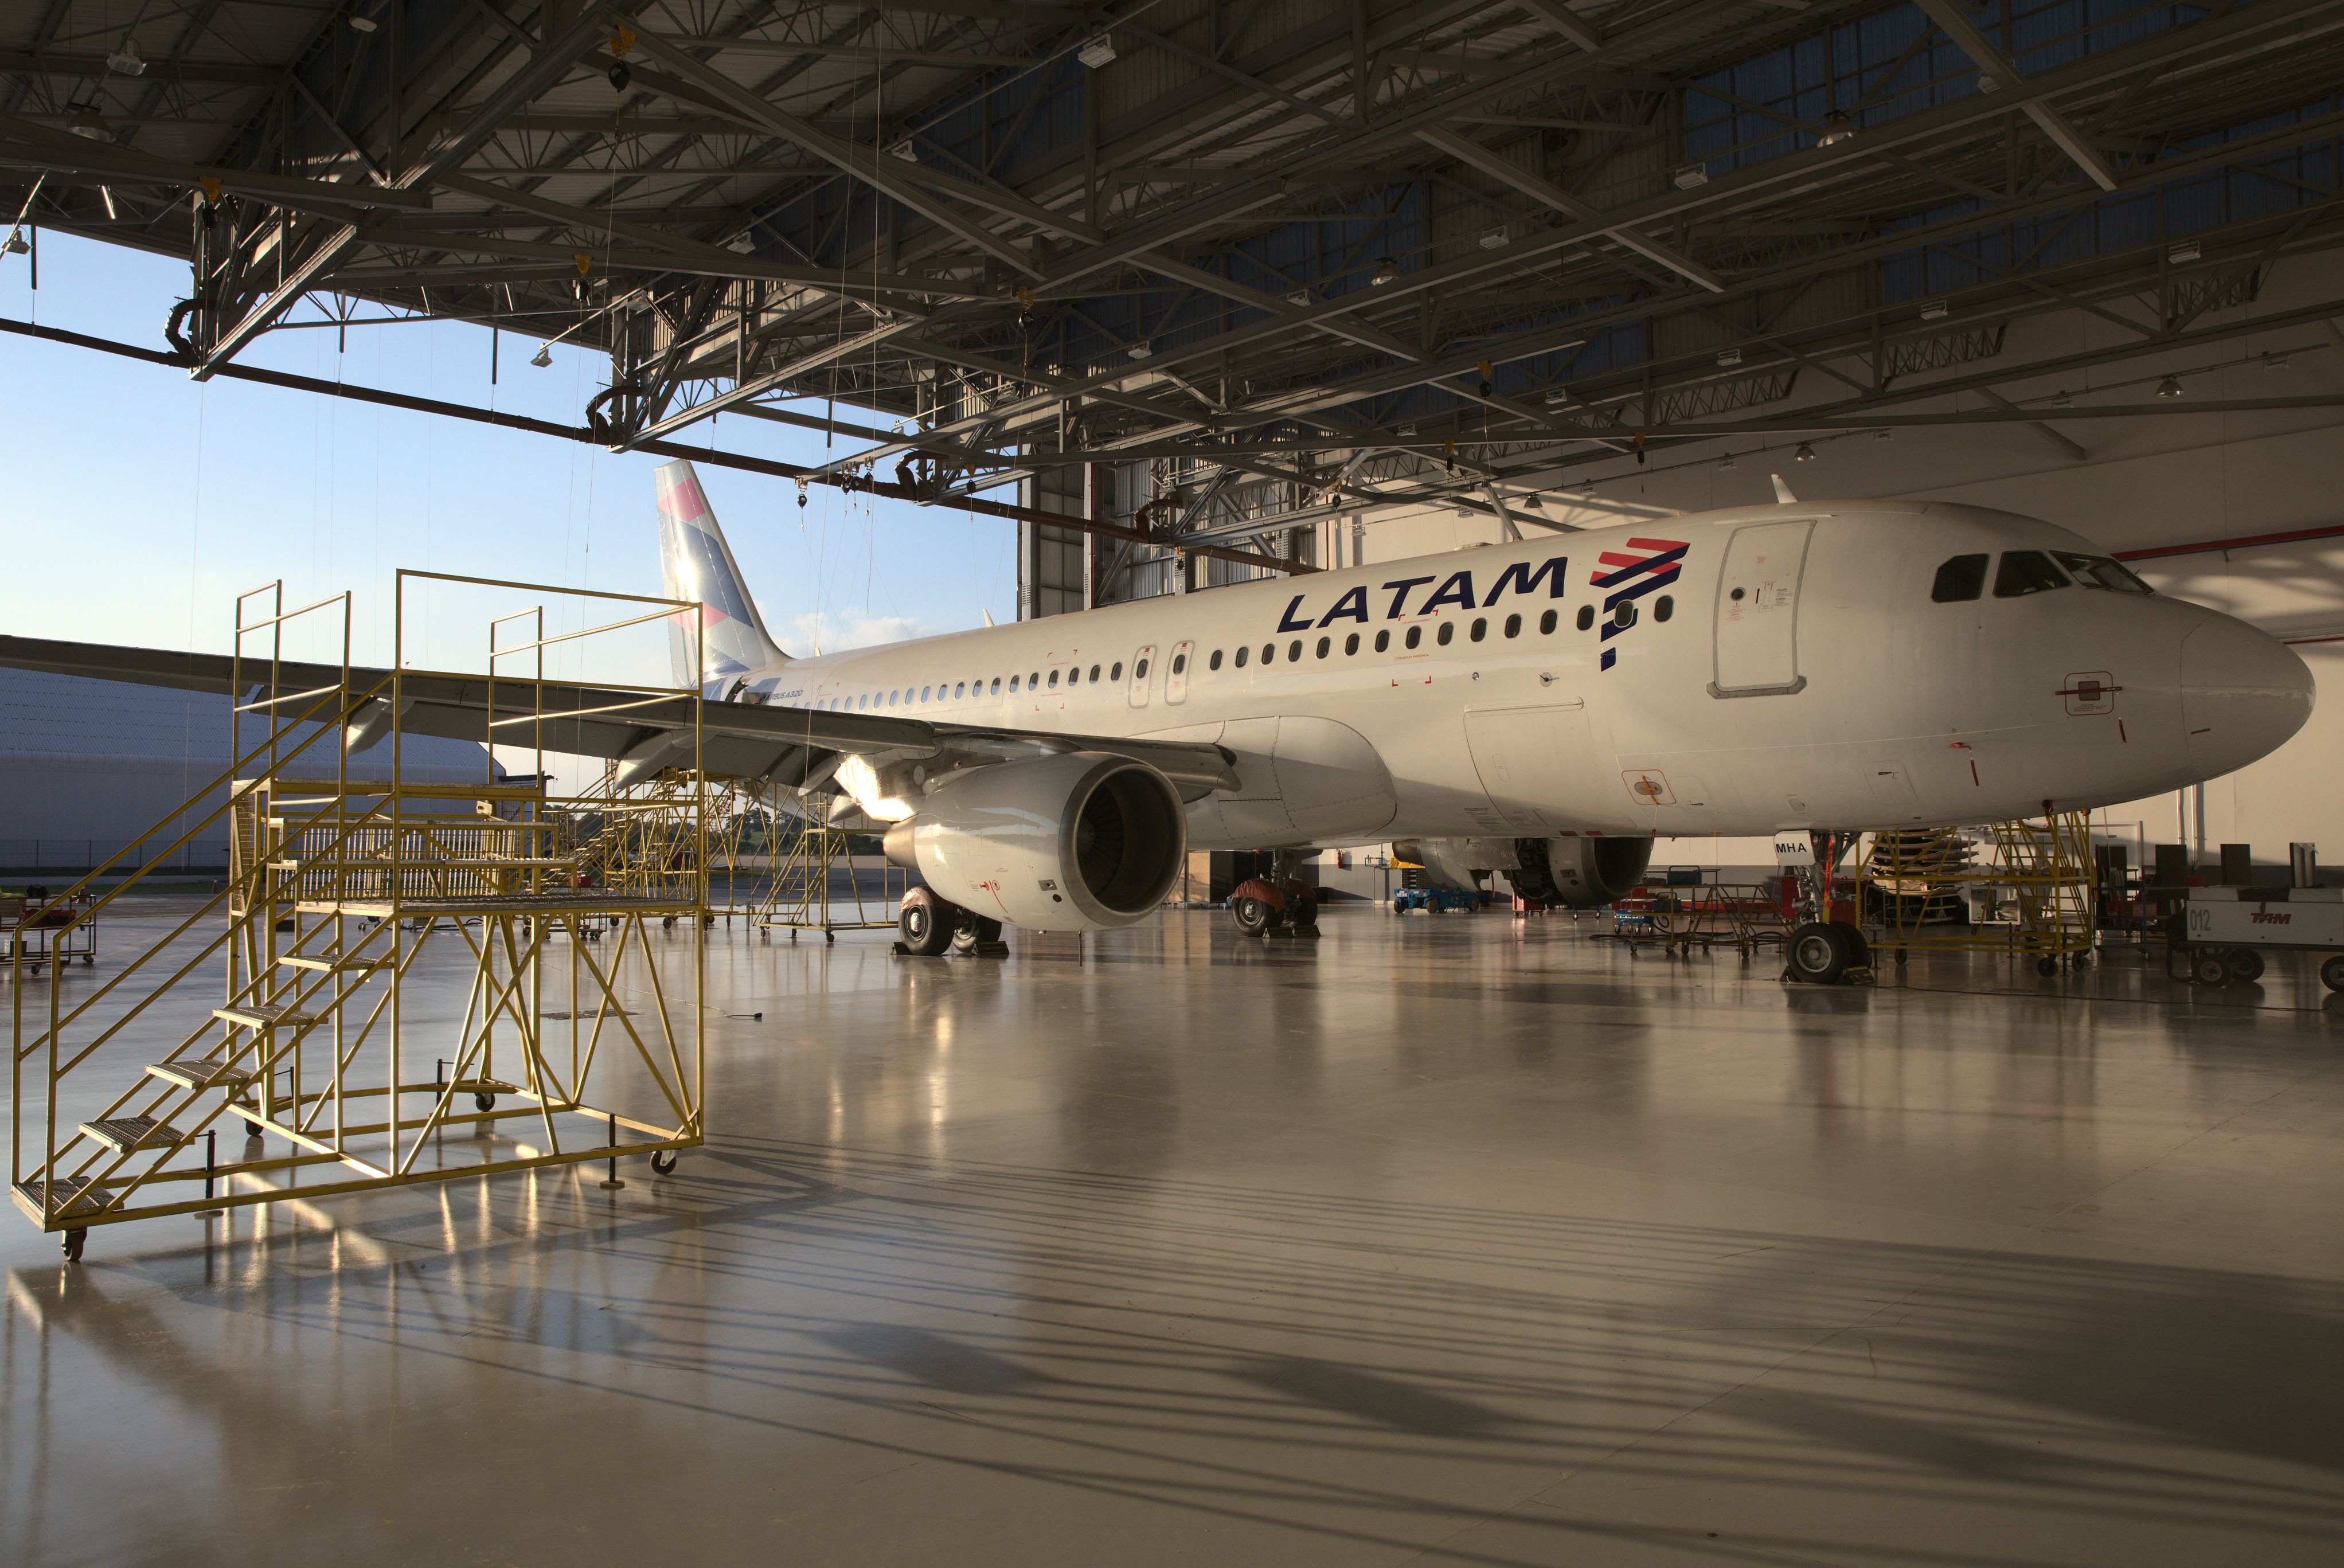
pixel 1301 257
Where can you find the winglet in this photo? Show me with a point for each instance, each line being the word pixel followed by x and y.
pixel 1782 495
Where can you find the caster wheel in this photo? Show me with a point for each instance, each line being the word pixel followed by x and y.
pixel 2331 973
pixel 2246 964
pixel 664 1161
pixel 2046 967
pixel 2210 969
pixel 484 1102
pixel 830 937
pixel 1900 957
pixel 74 1240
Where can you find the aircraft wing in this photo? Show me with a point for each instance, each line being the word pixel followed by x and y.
pixel 789 745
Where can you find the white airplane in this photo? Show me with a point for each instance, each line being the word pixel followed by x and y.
pixel 1547 707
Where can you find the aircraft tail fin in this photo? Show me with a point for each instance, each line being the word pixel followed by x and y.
pixel 698 564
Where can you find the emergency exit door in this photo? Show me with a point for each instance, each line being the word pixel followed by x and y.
pixel 1758 610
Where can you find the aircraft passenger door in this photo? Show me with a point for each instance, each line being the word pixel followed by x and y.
pixel 1143 667
pixel 1758 610
pixel 1176 675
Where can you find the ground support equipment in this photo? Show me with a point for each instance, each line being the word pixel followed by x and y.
pixel 2226 931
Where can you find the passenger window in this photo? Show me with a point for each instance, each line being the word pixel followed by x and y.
pixel 1241 657
pixel 1215 662
pixel 1446 635
pixel 1586 616
pixel 1961 579
pixel 2099 572
pixel 1626 616
pixel 1350 644
pixel 1033 680
pixel 1481 629
pixel 1116 673
pixel 996 685
pixel 960 690
pixel 1053 680
pixel 1139 671
pixel 1094 674
pixel 1179 664
pixel 1546 625
pixel 1013 683
pixel 1383 641
pixel 1415 635
pixel 2026 571
pixel 1269 653
pixel 1664 607
pixel 1294 651
pixel 1325 644
pixel 1513 625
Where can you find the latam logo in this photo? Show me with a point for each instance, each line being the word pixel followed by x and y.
pixel 1626 577
pixel 1456 588
pixel 2263 917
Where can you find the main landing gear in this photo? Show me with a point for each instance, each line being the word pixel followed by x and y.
pixel 928 927
pixel 1280 901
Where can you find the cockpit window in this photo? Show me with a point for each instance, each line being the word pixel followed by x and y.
pixel 2099 572
pixel 1962 578
pixel 2026 571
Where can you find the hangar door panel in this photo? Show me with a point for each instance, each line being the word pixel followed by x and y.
pixel 1758 610
pixel 1540 769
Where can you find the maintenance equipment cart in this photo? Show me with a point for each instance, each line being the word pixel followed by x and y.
pixel 1435 901
pixel 2225 931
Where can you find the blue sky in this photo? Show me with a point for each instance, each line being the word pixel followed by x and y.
pixel 140 503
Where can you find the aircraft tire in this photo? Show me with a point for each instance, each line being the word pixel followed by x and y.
pixel 924 924
pixel 1816 955
pixel 1851 940
pixel 1255 916
pixel 973 931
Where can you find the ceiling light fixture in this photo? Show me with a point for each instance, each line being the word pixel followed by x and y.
pixel 1491 239
pixel 1586 487
pixel 1096 52
pixel 1386 271
pixel 126 60
pixel 17 244
pixel 1805 454
pixel 1140 350
pixel 543 357
pixel 2273 360
pixel 363 24
pixel 1534 502
pixel 1884 435
pixel 1690 177
pixel 2169 388
pixel 88 124
pixel 2181 255
pixel 1936 311
pixel 1837 128
pixel 1728 358
pixel 1726 464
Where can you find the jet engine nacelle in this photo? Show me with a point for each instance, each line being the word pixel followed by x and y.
pixel 1078 841
pixel 1570 873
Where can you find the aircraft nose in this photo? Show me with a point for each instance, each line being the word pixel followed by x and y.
pixel 2243 694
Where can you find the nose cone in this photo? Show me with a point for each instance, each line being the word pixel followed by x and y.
pixel 2243 694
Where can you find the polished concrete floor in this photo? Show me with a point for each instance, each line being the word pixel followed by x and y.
pixel 1454 1240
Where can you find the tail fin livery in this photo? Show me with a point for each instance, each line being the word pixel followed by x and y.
pixel 698 564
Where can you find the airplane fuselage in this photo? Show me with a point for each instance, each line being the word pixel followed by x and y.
pixel 1741 672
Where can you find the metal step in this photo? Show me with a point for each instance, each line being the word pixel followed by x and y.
pixel 79 1192
pixel 327 962
pixel 200 1073
pixel 124 1134
pixel 264 1014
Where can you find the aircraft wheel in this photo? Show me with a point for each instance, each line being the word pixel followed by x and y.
pixel 2246 964
pixel 2331 973
pixel 973 931
pixel 1816 954
pixel 925 922
pixel 1302 914
pixel 1255 916
pixel 2210 969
